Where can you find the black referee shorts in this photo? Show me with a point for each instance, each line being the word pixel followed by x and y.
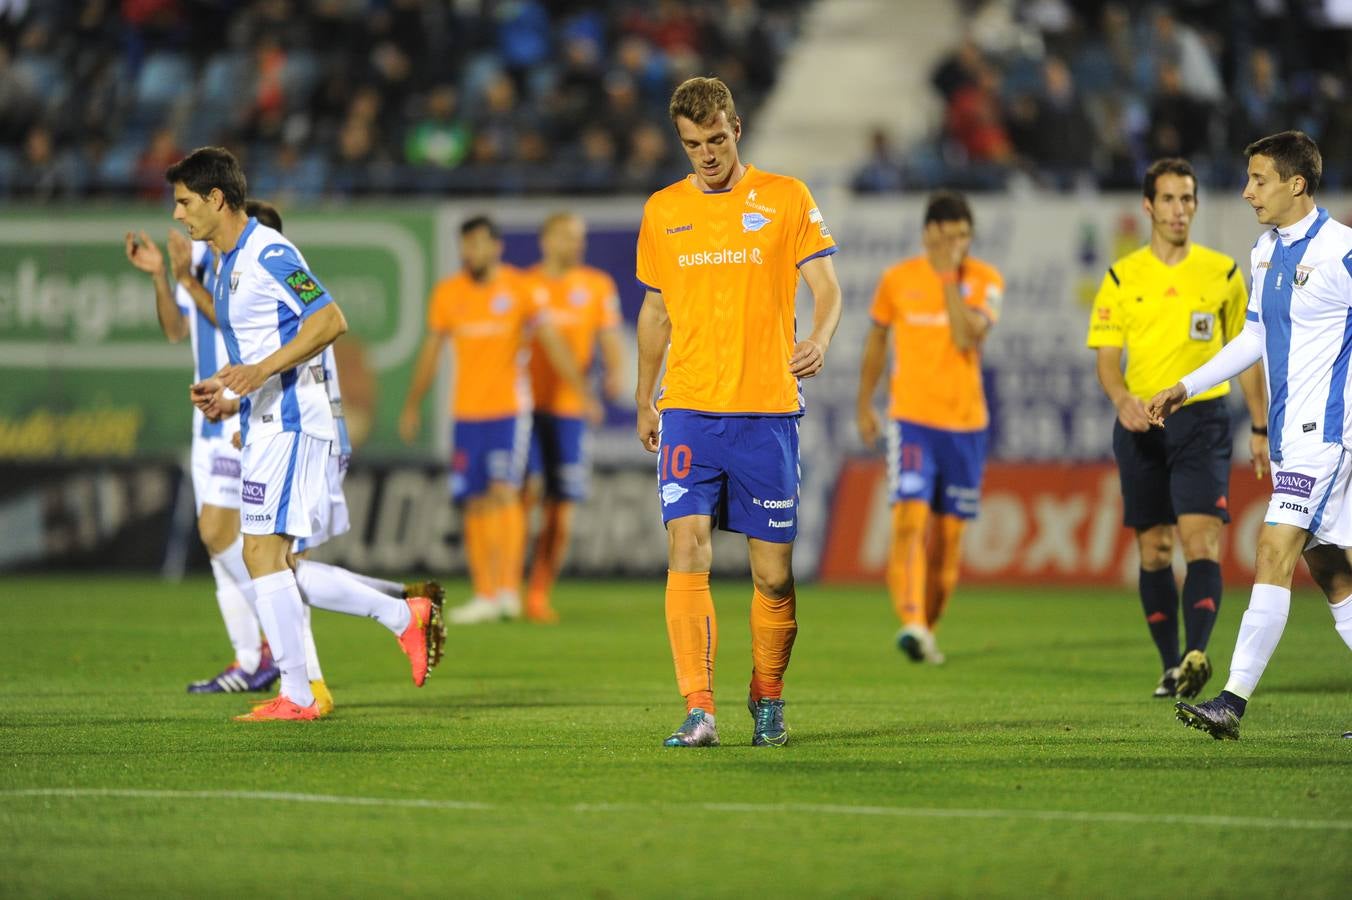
pixel 1181 469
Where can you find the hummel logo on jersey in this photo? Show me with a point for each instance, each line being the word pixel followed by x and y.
pixel 275 251
pixel 679 228
pixel 304 286
pixel 753 221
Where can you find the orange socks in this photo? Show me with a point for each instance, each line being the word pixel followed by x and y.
pixel 550 546
pixel 693 631
pixel 773 629
pixel 906 561
pixel 478 549
pixel 945 557
pixel 510 535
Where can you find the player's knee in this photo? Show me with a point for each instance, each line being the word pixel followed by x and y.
pixel 1275 560
pixel 1157 548
pixel 217 535
pixel 265 554
pixel 775 584
pixel 689 549
pixel 1202 546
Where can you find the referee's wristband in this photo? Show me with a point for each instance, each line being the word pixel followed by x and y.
pixel 1256 429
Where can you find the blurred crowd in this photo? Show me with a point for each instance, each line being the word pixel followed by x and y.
pixel 1065 95
pixel 325 98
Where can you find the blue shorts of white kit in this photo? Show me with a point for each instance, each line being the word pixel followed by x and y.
pixel 285 486
pixel 485 451
pixel 334 518
pixel 942 468
pixel 741 470
pixel 558 454
pixel 215 472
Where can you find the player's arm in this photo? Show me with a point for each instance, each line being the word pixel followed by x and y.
pixel 809 355
pixel 180 263
pixel 870 373
pixel 1254 386
pixel 144 255
pixel 1130 410
pixel 318 329
pixel 612 362
pixel 654 333
pixel 424 371
pixel 1236 356
pixel 967 325
pixel 561 358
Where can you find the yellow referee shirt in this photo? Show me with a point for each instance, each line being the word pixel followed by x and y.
pixel 1168 319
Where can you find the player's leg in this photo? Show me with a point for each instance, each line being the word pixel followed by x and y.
pixel 912 475
pixel 564 468
pixel 1333 573
pixel 1199 484
pixel 490 459
pixel 509 544
pixel 774 627
pixel 1143 472
pixel 253 668
pixel 961 463
pixel 690 485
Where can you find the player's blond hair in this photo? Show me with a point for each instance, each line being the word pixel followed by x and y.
pixel 558 218
pixel 701 99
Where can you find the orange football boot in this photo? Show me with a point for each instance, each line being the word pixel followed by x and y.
pixel 281 709
pixel 423 638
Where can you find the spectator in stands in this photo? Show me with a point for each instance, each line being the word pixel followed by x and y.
pixel 162 153
pixel 1180 125
pixel 440 138
pixel 882 171
pixel 1260 105
pixel 975 122
pixel 1052 131
pixel 43 172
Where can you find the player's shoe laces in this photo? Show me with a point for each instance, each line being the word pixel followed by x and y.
pixel 477 610
pixel 1193 673
pixel 234 680
pixel 281 709
pixel 1215 717
pixel 698 730
pixel 421 639
pixel 1168 686
pixel 768 716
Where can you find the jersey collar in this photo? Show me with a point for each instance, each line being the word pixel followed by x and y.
pixel 693 181
pixel 1307 227
pixel 244 235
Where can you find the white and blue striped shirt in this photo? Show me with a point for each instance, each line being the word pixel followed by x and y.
pixel 263 292
pixel 1301 304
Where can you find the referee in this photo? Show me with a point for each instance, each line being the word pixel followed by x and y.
pixel 1170 306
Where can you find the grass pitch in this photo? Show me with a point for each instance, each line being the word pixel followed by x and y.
pixel 1034 763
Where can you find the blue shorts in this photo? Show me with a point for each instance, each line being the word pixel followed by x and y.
pixel 742 470
pixel 942 468
pixel 558 452
pixel 487 450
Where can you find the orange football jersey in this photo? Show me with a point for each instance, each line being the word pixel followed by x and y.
pixel 582 302
pixel 489 327
pixel 933 382
pixel 726 264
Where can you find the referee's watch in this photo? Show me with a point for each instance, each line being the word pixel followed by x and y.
pixel 1259 429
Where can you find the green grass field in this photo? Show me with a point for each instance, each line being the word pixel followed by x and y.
pixel 1034 763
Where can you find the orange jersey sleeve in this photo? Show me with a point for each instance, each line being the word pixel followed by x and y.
pixel 489 325
pixel 726 264
pixel 580 304
pixel 933 382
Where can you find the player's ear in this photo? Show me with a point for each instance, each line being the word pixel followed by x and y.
pixel 736 128
pixel 1297 185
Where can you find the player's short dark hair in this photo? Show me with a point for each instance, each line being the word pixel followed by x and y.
pixel 1292 153
pixel 211 167
pixel 1169 165
pixel 264 212
pixel 474 223
pixel 948 206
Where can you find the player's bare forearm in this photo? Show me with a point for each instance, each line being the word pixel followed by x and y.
pixel 172 321
pixel 1254 386
pixel 612 361
pixel 820 275
pixel 425 369
pixel 654 333
pixel 201 297
pixel 1108 366
pixel 960 325
pixel 316 332
pixel 561 358
pixel 872 364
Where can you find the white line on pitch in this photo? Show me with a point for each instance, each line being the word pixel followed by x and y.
pixel 901 812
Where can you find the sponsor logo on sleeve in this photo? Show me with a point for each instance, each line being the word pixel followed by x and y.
pixel 252 492
pixel 753 221
pixel 1293 483
pixel 304 286
pixel 672 492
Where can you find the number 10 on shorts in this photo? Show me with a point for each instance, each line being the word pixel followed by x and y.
pixel 675 461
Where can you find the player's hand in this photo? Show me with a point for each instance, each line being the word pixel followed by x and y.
pixel 143 254
pixel 236 442
pixel 242 379
pixel 1258 450
pixel 1131 413
pixel 944 251
pixel 1165 403
pixel 180 254
pixel 410 423
pixel 205 395
pixel 870 425
pixel 648 421
pixel 612 386
pixel 807 360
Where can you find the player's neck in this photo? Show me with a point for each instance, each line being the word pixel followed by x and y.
pixel 556 269
pixel 734 176
pixel 1299 210
pixel 484 275
pixel 1169 253
pixel 233 223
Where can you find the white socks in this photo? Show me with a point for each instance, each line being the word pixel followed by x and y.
pixel 1342 620
pixel 235 595
pixel 312 670
pixel 337 590
pixel 389 588
pixel 1259 631
pixel 283 616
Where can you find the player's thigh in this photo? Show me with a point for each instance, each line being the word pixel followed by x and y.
pixel 218 526
pixel 1310 490
pixel 760 456
pixel 960 465
pixel 1198 441
pixel 1143 473
pixel 690 543
pixel 912 462
pixel 334 519
pixel 215 465
pixel 487 451
pixel 566 463
pixel 284 485
pixel 690 475
pixel 1331 570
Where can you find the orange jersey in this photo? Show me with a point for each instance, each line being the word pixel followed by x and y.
pixel 582 303
pixel 489 328
pixel 933 382
pixel 726 264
